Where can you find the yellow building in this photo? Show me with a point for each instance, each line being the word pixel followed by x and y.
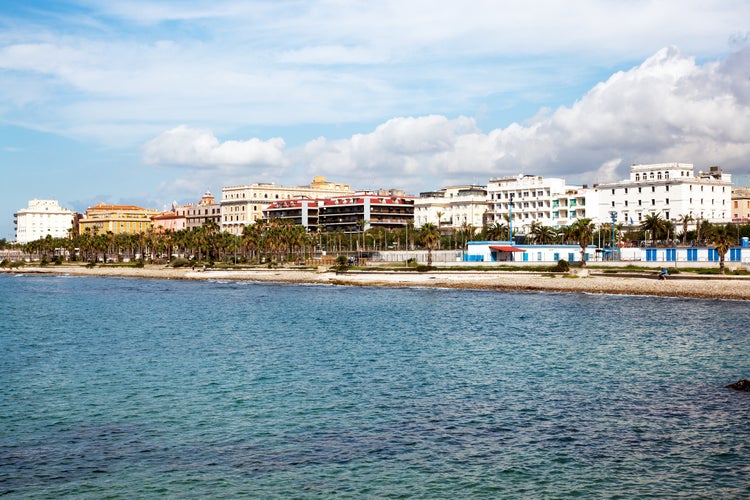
pixel 129 219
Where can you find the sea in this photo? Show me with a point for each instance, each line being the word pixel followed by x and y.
pixel 146 388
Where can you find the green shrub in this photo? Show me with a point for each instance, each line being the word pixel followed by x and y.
pixel 563 266
pixel 90 265
pixel 424 269
pixel 180 262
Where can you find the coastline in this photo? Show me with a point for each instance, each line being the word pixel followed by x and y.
pixel 692 286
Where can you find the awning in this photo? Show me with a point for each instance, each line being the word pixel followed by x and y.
pixel 506 248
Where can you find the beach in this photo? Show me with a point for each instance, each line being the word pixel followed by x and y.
pixel 594 281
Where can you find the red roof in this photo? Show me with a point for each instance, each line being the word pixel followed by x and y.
pixel 506 248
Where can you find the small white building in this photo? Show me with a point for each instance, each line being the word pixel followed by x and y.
pixel 43 218
pixel 672 190
pixel 549 201
pixel 451 207
pixel 505 251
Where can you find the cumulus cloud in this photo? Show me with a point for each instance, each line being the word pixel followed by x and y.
pixel 190 147
pixel 667 109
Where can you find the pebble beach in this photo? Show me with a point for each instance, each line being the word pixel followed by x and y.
pixel 682 285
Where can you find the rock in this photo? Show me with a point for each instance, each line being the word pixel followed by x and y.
pixel 740 385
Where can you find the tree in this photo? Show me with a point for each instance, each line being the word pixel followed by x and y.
pixel 582 231
pixel 429 237
pixel 685 219
pixel 722 239
pixel 497 231
pixel 655 224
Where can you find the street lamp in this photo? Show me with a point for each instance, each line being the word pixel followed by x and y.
pixel 613 215
pixel 510 219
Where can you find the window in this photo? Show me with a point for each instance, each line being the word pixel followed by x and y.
pixel 626 190
pixel 653 189
pixel 613 191
pixel 639 203
pixel 613 204
pixel 653 202
pixel 639 190
pixel 666 175
pixel 626 203
pixel 637 177
pixel 666 202
pixel 658 176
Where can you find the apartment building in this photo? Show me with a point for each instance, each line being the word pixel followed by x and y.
pixel 451 207
pixel 353 213
pixel 532 198
pixel 671 190
pixel 43 218
pixel 243 205
pixel 301 211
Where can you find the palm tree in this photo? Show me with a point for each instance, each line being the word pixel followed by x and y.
pixel 497 231
pixel 582 231
pixel 542 235
pixel 721 238
pixel 655 224
pixel 429 237
pixel 685 219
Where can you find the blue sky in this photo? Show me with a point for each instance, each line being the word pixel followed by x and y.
pixel 148 102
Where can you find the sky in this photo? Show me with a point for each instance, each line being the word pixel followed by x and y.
pixel 146 102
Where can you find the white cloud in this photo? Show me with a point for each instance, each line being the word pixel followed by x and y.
pixel 666 109
pixel 198 148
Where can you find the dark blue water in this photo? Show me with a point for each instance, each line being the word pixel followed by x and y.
pixel 142 388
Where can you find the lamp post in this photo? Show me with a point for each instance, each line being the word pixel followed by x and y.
pixel 613 215
pixel 510 219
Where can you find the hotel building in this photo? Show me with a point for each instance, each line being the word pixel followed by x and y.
pixel 451 207
pixel 671 190
pixel 43 218
pixel 117 219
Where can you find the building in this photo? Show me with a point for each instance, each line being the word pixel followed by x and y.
pixel 168 221
pixel 43 218
pixel 671 190
pixel 197 214
pixel 741 204
pixel 362 211
pixel 531 198
pixel 117 219
pixel 452 207
pixel 243 205
pixel 301 211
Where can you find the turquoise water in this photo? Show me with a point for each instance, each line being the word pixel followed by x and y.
pixel 147 388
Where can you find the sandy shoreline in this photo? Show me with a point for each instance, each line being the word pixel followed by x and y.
pixel 735 288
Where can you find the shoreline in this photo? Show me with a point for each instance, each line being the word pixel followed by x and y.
pixel 693 286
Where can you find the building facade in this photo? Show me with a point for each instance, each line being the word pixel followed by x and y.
pixel 452 207
pixel 531 198
pixel 672 190
pixel 301 211
pixel 197 214
pixel 243 205
pixel 117 219
pixel 43 218
pixel 363 211
pixel 741 204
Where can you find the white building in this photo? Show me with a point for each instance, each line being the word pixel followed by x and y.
pixel 42 218
pixel 671 190
pixel 530 198
pixel 243 205
pixel 451 207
